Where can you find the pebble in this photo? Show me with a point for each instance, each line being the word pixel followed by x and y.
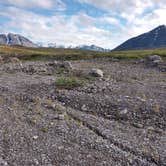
pixel 137 125
pixel 35 137
pixel 84 108
pixel 61 116
pixel 123 112
pixel 3 162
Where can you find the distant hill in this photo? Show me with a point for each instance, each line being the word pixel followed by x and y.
pixel 15 39
pixel 155 38
pixel 92 48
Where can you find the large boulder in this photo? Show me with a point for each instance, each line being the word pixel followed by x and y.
pixel 67 65
pixel 96 73
pixel 14 60
pixel 16 63
pixel 153 60
pixel 61 64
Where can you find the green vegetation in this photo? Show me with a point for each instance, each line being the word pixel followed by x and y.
pixel 68 82
pixel 73 54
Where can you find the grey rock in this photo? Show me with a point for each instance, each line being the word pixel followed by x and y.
pixel 3 162
pixel 15 60
pixel 35 137
pixel 84 108
pixel 124 112
pixel 96 73
pixel 114 60
pixel 162 67
pixel 61 116
pixel 16 63
pixel 67 65
pixel 153 60
pixel 138 125
pixel 61 64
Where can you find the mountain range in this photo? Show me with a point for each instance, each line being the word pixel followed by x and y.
pixel 92 48
pixel 15 39
pixel 155 38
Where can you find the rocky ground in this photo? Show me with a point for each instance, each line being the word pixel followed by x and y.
pixel 116 120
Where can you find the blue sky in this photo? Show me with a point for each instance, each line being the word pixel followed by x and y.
pixel 105 23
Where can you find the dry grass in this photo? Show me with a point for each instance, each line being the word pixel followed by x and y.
pixel 67 54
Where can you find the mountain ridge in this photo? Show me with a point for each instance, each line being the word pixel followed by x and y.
pixel 12 39
pixel 156 38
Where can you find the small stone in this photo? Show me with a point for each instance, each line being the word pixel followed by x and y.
pixel 58 106
pixel 44 70
pixel 55 63
pixel 123 112
pixel 35 137
pixel 114 59
pixel 61 116
pixel 3 162
pixel 84 108
pixel 36 161
pixel 89 156
pixel 141 99
pixel 150 128
pixel 137 125
pixel 60 147
pixel 67 65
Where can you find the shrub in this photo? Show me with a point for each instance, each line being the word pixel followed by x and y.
pixel 68 82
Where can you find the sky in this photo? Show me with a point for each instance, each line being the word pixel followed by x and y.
pixel 105 23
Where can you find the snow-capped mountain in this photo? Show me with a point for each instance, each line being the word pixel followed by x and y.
pixel 15 39
pixel 92 48
pixel 52 45
pixel 155 38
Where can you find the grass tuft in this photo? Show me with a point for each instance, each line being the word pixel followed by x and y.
pixel 68 82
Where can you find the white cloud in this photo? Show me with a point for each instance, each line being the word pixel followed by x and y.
pixel 108 30
pixel 139 25
pixel 127 9
pixel 149 21
pixel 74 30
pixel 43 4
pixel 127 6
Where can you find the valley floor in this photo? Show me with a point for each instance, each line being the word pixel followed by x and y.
pixel 116 120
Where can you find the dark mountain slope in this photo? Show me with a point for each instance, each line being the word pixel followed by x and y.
pixel 155 38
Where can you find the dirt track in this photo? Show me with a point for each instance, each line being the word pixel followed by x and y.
pixel 116 120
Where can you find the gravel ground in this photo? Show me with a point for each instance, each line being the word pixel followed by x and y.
pixel 117 120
